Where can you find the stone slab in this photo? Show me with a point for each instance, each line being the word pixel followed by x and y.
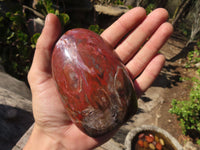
pixel 15 118
pixel 12 84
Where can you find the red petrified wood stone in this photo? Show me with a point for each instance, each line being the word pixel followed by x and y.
pixel 94 85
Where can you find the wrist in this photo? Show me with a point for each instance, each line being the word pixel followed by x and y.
pixel 41 141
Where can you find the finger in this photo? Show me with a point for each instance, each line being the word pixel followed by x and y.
pixel 123 25
pixel 137 64
pixel 42 57
pixel 135 40
pixel 143 82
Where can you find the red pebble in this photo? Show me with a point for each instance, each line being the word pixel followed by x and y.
pixel 141 135
pixel 149 139
pixel 140 143
pixel 158 146
pixel 152 136
pixel 146 145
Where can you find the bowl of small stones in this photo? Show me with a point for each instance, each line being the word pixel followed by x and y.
pixel 149 137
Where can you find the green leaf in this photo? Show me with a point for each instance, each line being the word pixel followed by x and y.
pixel 34 38
pixel 22 36
pixel 8 14
pixel 188 111
pixel 64 18
pixel 11 36
pixel 198 141
pixel 1 19
pixel 95 28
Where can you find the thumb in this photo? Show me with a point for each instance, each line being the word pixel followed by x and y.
pixel 41 66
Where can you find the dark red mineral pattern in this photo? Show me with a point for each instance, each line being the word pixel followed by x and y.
pixel 95 87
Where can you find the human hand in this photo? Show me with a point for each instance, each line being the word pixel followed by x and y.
pixel 53 129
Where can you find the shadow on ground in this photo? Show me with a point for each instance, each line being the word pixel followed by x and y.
pixel 168 77
pixel 14 122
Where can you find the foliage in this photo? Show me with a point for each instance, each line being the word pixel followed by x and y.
pixel 184 29
pixel 150 7
pixel 118 2
pixel 130 6
pixel 96 29
pixel 15 43
pixel 34 39
pixel 198 71
pixel 108 2
pixel 17 46
pixel 46 6
pixel 193 57
pixel 198 141
pixel 188 111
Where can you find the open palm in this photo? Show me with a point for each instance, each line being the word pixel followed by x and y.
pixel 144 64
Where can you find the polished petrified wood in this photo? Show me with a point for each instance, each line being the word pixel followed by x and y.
pixel 94 85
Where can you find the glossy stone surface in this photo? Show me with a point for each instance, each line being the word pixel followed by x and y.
pixel 94 85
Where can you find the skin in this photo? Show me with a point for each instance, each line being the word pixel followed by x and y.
pixel 53 129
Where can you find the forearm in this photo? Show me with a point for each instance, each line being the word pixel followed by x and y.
pixel 40 141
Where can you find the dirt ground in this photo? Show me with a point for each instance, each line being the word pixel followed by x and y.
pixel 169 79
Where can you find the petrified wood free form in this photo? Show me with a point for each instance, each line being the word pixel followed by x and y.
pixel 94 85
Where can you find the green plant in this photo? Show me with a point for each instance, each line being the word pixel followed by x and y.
pixel 184 28
pixel 188 111
pixel 198 71
pixel 130 7
pixel 96 29
pixel 46 6
pixel 15 43
pixel 193 57
pixel 118 2
pixel 198 44
pixel 34 39
pixel 150 7
pixel 108 2
pixel 198 141
pixel 17 46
